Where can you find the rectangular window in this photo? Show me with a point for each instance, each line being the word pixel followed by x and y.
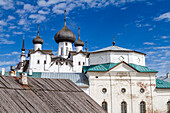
pixel 66 63
pixel 56 63
pixel 38 61
pixel 79 63
pixel 83 63
pixel 67 51
pixel 66 43
pixel 62 51
pixel 44 61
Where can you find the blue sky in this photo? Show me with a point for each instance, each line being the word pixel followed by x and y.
pixel 141 25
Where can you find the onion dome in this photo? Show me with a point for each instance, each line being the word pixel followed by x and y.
pixel 79 42
pixel 65 34
pixel 38 39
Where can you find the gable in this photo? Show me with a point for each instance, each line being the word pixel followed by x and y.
pixel 123 67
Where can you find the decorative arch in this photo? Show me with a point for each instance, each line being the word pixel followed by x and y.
pixel 123 107
pixel 142 107
pixel 104 105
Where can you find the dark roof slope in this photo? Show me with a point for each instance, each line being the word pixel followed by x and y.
pixel 44 95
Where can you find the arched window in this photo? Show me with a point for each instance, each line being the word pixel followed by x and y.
pixel 168 105
pixel 142 107
pixel 123 107
pixel 104 105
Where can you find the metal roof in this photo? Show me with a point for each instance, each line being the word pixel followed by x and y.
pixel 44 96
pixel 108 66
pixel 162 84
pixel 116 48
pixel 80 79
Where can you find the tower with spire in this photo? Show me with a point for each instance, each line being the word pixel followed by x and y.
pixel 65 38
pixel 23 51
pixel 38 41
pixel 79 43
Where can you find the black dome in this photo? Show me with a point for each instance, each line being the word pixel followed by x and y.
pixel 38 40
pixel 65 35
pixel 79 43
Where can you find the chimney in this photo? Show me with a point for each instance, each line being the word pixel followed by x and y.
pixel 30 72
pixel 12 72
pixel 23 79
pixel 3 71
pixel 168 75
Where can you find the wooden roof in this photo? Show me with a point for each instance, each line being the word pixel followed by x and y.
pixel 44 95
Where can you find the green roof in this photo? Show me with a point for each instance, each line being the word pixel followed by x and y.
pixel 162 84
pixel 142 68
pixel 108 66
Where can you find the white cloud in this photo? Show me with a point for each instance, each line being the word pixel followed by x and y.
pixel 3 23
pixel 12 27
pixel 123 8
pixel 148 43
pixel 162 47
pixel 22 21
pixel 4 35
pixel 165 37
pixel 2 63
pixel 17 33
pixel 44 3
pixel 38 18
pixel 10 18
pixel 59 8
pixel 165 16
pixel 9 54
pixel 150 29
pixel 7 4
pixel 19 3
pixel 5 41
pixel 44 12
pixel 30 8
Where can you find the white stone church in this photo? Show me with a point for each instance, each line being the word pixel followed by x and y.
pixel 116 78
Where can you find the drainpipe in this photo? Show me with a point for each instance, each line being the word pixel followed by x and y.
pixel 111 91
pixel 131 93
pixel 151 93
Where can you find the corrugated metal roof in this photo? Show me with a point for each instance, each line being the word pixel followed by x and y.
pixel 78 78
pixel 142 68
pixel 162 84
pixel 108 66
pixel 43 95
pixel 167 80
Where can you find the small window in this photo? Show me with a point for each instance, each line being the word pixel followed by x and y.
pixel 123 107
pixel 44 61
pixel 142 107
pixel 67 51
pixel 38 61
pixel 168 105
pixel 104 90
pixel 56 63
pixel 83 63
pixel 79 63
pixel 62 51
pixel 66 43
pixel 104 105
pixel 123 90
pixel 142 90
pixel 66 63
pixel 96 76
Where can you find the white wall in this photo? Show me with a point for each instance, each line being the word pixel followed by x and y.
pixel 41 67
pixel 80 57
pixel 115 57
pixel 64 46
pixel 37 46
